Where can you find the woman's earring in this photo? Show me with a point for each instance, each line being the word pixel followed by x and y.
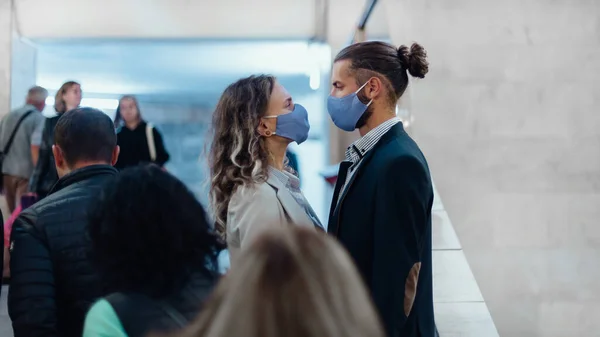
pixel 268 133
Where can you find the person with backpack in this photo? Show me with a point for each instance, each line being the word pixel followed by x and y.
pixel 139 140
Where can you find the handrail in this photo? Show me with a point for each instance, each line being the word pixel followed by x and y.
pixel 362 22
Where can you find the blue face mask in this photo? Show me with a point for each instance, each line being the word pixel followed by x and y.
pixel 346 111
pixel 293 125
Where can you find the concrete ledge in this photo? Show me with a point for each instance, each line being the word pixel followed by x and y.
pixel 460 310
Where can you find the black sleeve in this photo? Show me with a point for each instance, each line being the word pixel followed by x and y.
pixel 162 156
pixel 41 166
pixel 400 210
pixel 31 296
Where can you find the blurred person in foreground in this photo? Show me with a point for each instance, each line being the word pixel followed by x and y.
pixel 44 175
pixel 155 252
pixel 381 207
pixel 252 188
pixel 291 282
pixel 53 282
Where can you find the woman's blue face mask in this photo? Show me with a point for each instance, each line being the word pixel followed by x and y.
pixel 293 125
pixel 346 111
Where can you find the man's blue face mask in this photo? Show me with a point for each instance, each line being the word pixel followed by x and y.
pixel 346 111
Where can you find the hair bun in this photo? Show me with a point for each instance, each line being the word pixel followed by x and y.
pixel 414 60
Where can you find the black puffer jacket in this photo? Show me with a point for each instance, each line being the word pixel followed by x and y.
pixel 52 282
pixel 140 314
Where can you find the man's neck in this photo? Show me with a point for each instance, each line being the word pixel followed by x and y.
pixel 374 121
pixel 80 165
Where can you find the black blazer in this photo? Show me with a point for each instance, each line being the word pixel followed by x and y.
pixel 384 221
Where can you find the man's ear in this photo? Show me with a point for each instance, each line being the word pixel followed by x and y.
pixel 59 159
pixel 115 155
pixel 374 88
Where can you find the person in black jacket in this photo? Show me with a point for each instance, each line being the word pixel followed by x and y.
pixel 44 175
pixel 140 142
pixel 53 283
pixel 381 208
pixel 156 281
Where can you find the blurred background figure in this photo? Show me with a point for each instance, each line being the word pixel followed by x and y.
pixel 252 188
pixel 27 200
pixel 44 176
pixel 18 157
pixel 155 251
pixel 290 282
pixel 139 140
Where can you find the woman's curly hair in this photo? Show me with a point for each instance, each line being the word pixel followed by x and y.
pixel 238 155
pixel 148 233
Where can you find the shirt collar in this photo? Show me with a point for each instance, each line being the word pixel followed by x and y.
pixel 359 148
pixel 286 178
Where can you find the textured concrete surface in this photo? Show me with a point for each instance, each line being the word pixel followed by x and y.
pixel 507 118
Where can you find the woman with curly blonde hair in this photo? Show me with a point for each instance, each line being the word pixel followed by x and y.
pixel 251 186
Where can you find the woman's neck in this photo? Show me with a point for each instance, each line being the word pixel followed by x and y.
pixel 69 108
pixel 132 125
pixel 277 154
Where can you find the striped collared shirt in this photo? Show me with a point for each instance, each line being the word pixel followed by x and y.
pixel 292 184
pixel 359 148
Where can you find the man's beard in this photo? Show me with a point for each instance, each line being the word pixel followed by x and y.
pixel 366 115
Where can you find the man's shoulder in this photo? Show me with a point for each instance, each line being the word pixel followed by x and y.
pixel 54 208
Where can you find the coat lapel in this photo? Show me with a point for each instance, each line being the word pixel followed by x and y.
pixel 357 172
pixel 341 178
pixel 335 205
pixel 296 214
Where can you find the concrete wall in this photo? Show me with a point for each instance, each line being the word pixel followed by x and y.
pixel 508 118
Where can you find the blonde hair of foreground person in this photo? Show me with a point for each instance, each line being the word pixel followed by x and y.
pixel 291 282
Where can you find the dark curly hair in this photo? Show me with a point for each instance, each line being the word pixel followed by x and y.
pixel 148 233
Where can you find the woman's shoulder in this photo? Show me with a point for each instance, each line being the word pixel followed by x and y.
pixel 254 191
pixel 102 320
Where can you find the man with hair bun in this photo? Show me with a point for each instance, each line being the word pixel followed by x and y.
pixel 381 208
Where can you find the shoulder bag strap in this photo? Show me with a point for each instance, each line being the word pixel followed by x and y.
pixel 14 132
pixel 150 139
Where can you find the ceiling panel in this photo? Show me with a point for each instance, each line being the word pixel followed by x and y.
pixel 166 18
pixel 170 68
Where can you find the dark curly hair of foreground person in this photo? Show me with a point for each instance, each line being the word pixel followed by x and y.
pixel 148 233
